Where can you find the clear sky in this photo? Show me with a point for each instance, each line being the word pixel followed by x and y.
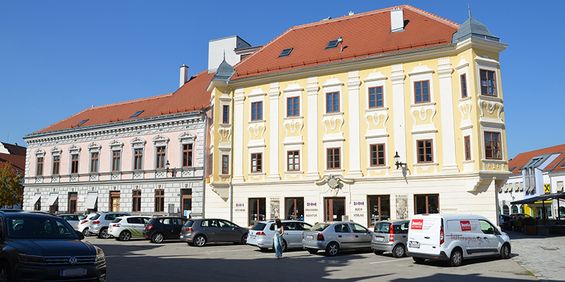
pixel 59 57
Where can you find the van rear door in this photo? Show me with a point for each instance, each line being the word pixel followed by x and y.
pixel 424 234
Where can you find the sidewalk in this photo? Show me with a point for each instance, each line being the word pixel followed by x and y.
pixel 543 256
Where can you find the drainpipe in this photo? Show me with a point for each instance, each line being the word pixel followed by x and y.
pixel 204 159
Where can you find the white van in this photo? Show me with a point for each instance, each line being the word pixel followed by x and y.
pixel 454 238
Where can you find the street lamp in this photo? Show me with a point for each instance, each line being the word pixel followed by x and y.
pixel 168 168
pixel 398 163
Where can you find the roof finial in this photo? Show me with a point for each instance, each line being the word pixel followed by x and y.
pixel 224 55
pixel 469 9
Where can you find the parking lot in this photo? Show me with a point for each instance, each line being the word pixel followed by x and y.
pixel 175 261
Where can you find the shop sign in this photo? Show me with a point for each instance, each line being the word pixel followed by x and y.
pixel 239 207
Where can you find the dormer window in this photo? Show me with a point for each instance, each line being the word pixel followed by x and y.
pixel 334 43
pixel 82 122
pixel 136 114
pixel 285 52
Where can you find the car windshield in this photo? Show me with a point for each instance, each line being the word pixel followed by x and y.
pixel 319 227
pixel 259 227
pixel 38 227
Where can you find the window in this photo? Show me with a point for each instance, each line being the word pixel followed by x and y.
pixel 116 160
pixel 138 159
pixel 488 83
pixel 225 114
pixel 74 163
pixel 376 97
pixel 257 111
pixel 160 157
pixel 72 204
pixel 425 151
pixel 285 52
pixel 225 164
pixel 187 155
pixel 159 200
pixel 333 158
pixel 136 114
pixel 377 154
pixel 294 208
pixel 136 200
pixel 39 167
pixel 426 203
pixel 257 162
pixel 332 102
pixel 82 122
pixel 293 106
pixel 467 147
pixel 422 91
pixel 94 162
pixel 56 164
pixel 493 148
pixel 379 208
pixel 357 228
pixel 257 210
pixel 333 43
pixel 293 160
pixel 342 228
pixel 463 80
pixel 487 228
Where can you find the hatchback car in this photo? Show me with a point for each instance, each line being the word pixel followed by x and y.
pixel 390 237
pixel 72 219
pixel 101 222
pixel 42 247
pixel 262 234
pixel 84 224
pixel 199 232
pixel 159 229
pixel 125 228
pixel 335 236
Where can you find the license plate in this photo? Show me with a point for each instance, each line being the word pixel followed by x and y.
pixel 380 239
pixel 309 237
pixel 414 244
pixel 73 272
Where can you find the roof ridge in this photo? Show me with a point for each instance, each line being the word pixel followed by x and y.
pixel 432 15
pixel 543 150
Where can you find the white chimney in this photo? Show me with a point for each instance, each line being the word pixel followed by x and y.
pixel 183 75
pixel 224 49
pixel 396 20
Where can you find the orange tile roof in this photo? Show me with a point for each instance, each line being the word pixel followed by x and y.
pixel 517 163
pixel 364 35
pixel 17 161
pixel 192 96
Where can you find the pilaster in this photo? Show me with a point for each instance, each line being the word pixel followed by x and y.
pixel 312 93
pixel 353 83
pixel 445 70
pixel 274 93
pixel 239 98
pixel 399 121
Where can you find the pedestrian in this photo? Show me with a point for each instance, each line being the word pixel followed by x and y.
pixel 278 240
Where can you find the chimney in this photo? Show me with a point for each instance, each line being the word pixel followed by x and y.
pixel 396 20
pixel 183 75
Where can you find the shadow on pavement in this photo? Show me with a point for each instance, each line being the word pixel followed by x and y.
pixel 461 278
pixel 519 236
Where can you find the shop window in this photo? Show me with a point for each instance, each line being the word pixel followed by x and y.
pixel 257 210
pixel 378 208
pixel 294 208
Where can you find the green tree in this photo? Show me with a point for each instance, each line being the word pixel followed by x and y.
pixel 11 189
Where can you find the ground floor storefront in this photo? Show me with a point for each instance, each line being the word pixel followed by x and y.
pixel 176 197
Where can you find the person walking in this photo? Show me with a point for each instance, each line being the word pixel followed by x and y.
pixel 278 240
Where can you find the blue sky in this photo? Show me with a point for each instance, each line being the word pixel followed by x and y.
pixel 59 57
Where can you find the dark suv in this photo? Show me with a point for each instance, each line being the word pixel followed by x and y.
pixel 159 229
pixel 39 246
pixel 199 232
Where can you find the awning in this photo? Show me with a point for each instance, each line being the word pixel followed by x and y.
pixel 35 198
pixel 52 199
pixel 541 198
pixel 91 199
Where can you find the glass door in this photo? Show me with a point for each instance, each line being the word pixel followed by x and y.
pixel 257 210
pixel 334 208
pixel 186 202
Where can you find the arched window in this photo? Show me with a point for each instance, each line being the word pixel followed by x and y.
pixel 521 209
pixel 505 210
pixel 514 209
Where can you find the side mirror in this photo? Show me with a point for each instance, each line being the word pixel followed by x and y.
pixel 80 235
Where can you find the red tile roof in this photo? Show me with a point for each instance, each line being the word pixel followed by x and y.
pixel 517 163
pixel 17 161
pixel 364 35
pixel 192 96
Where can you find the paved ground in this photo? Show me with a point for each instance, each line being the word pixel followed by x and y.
pixel 175 261
pixel 543 256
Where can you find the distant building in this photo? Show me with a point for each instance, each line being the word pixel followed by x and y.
pixel 14 155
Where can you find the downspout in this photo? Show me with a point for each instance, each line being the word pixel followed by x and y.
pixel 204 159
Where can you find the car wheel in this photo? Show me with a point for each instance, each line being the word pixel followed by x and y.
pixel 125 236
pixel 378 253
pixel 312 251
pixel 456 258
pixel 157 238
pixel 200 241
pixel 332 249
pixel 505 251
pixel 243 239
pixel 398 251
pixel 104 233
pixel 419 260
pixel 85 232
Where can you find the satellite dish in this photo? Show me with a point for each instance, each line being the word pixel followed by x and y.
pixel 333 183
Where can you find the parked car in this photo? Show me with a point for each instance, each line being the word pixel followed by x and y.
pixel 159 229
pixel 125 228
pixel 454 238
pixel 101 221
pixel 84 225
pixel 262 234
pixel 73 219
pixel 335 236
pixel 390 237
pixel 199 232
pixel 43 247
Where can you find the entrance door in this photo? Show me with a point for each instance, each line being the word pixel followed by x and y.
pixel 114 201
pixel 186 202
pixel 294 208
pixel 257 210
pixel 72 205
pixel 334 208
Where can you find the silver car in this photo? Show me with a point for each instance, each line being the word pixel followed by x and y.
pixel 390 237
pixel 261 234
pixel 101 221
pixel 73 219
pixel 335 236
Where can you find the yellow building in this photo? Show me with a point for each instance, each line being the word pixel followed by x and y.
pixel 309 125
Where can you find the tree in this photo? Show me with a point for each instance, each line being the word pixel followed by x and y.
pixel 11 189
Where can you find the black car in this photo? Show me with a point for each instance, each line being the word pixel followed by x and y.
pixel 199 232
pixel 159 229
pixel 39 246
